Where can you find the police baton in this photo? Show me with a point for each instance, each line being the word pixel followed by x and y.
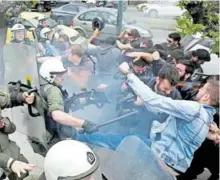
pixel 112 120
pixel 117 119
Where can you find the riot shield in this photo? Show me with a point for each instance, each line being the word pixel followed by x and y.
pixel 133 159
pixel 20 62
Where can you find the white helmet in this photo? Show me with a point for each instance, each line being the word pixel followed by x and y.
pixel 70 159
pixel 50 68
pixel 44 32
pixel 17 27
pixel 42 18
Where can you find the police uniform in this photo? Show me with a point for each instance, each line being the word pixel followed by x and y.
pixel 8 148
pixel 54 98
pixel 25 41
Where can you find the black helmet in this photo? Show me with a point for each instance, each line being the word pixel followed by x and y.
pixel 99 23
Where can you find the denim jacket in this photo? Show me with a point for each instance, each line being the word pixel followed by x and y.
pixel 186 128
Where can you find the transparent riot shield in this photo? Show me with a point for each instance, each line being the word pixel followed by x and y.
pixel 133 159
pixel 20 63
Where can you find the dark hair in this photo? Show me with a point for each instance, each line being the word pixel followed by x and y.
pixel 65 37
pixel 161 49
pixel 177 54
pixel 77 49
pixel 189 66
pixel 140 63
pixel 175 36
pixel 148 42
pixel 134 33
pixel 201 54
pixel 213 90
pixel 110 41
pixel 170 73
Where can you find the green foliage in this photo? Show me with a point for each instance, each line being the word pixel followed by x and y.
pixel 200 16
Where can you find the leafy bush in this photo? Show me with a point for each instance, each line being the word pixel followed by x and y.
pixel 200 16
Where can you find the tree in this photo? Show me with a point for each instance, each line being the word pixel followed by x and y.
pixel 200 16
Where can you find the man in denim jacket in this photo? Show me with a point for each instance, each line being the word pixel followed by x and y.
pixel 188 121
pixel 187 126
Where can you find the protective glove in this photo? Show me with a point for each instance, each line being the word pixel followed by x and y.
pixel 90 127
pixel 19 167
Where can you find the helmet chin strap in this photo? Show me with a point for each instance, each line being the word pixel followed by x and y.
pixel 54 83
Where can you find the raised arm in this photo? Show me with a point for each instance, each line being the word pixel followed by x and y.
pixel 186 110
pixel 95 34
pixel 123 46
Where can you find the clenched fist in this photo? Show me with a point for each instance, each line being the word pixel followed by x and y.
pixel 29 99
pixel 124 68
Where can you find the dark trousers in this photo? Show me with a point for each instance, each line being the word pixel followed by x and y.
pixel 207 156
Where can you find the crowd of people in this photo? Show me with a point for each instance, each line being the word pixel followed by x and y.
pixel 176 120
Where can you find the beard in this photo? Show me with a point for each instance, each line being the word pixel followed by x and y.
pixel 182 78
pixel 158 91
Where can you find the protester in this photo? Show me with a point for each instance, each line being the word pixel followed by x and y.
pixel 173 42
pixel 43 22
pixel 184 67
pixel 175 56
pixel 107 58
pixel 146 43
pixel 62 43
pixel 199 57
pixel 163 84
pixel 207 156
pixel 132 37
pixel 140 68
pixel 183 118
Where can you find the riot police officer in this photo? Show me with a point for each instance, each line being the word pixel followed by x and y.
pixel 76 161
pixel 11 160
pixel 42 24
pixel 19 33
pixel 45 42
pixel 57 121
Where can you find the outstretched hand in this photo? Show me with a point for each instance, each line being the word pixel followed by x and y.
pixel 19 167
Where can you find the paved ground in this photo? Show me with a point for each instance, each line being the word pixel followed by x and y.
pixel 159 36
